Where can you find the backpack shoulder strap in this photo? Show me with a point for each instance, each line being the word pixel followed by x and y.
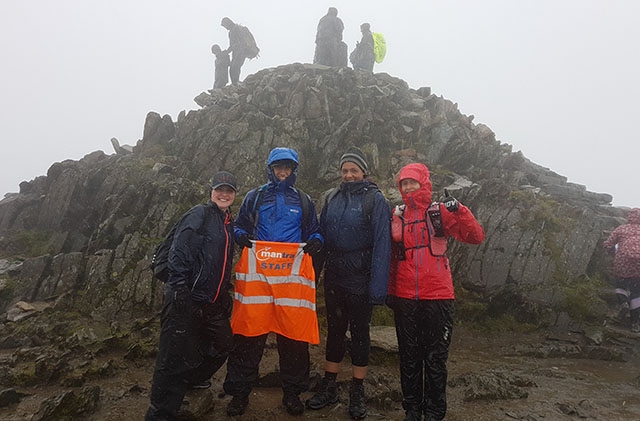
pixel 305 200
pixel 368 202
pixel 257 201
pixel 205 220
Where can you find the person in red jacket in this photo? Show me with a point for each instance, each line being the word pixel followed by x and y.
pixel 421 289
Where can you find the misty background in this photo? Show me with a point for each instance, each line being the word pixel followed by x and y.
pixel 557 79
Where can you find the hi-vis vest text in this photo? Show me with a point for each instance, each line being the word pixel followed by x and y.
pixel 275 291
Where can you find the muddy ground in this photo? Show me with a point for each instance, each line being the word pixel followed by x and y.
pixel 538 377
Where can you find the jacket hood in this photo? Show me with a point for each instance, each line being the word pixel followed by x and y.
pixel 634 216
pixel 278 154
pixel 420 198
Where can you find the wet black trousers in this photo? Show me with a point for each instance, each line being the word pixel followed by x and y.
pixel 193 346
pixel 348 311
pixel 424 331
pixel 244 362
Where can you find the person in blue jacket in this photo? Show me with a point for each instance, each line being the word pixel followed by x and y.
pixel 355 225
pixel 273 212
pixel 195 336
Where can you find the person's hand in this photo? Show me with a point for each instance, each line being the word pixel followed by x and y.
pixel 450 202
pixel 181 298
pixel 244 241
pixel 313 246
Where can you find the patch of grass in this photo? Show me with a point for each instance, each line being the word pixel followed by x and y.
pixel 382 316
pixel 30 243
pixel 582 300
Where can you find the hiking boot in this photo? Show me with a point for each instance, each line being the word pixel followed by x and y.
pixel 413 415
pixel 327 394
pixel 357 404
pixel 202 385
pixel 237 406
pixel 293 404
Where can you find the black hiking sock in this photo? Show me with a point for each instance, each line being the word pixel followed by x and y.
pixel 357 381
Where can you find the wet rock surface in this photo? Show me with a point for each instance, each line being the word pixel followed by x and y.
pixel 492 376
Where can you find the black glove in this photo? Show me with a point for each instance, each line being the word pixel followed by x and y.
pixel 181 298
pixel 245 241
pixel 313 246
pixel 450 202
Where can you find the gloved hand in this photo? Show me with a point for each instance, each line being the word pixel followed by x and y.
pixel 450 202
pixel 245 241
pixel 313 246
pixel 181 298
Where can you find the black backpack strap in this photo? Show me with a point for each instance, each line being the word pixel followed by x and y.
pixel 257 201
pixel 205 220
pixel 305 200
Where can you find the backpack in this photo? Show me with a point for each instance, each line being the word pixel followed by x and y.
pixel 250 48
pixel 433 219
pixel 379 46
pixel 257 200
pixel 160 260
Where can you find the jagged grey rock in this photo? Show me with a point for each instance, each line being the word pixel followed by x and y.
pixel 100 218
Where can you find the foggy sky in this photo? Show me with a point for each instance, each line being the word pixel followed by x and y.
pixel 556 79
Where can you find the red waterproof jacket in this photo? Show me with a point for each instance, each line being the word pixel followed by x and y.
pixel 626 263
pixel 423 276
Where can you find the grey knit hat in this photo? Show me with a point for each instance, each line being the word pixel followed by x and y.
pixel 356 156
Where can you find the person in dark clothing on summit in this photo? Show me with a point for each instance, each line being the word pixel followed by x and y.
pixel 355 224
pixel 363 57
pixel 237 49
pixel 329 39
pixel 195 336
pixel 221 67
pixel 278 217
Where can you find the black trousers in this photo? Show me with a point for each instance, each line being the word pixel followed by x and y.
pixel 193 346
pixel 424 331
pixel 244 361
pixel 348 311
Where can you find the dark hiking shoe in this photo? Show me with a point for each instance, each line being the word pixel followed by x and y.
pixel 327 394
pixel 293 404
pixel 202 385
pixel 413 415
pixel 237 406
pixel 357 403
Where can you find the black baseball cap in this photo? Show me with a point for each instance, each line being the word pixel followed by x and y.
pixel 224 178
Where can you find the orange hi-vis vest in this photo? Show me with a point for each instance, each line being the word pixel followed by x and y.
pixel 275 291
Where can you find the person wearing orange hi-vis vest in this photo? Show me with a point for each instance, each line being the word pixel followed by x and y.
pixel 275 291
pixel 275 212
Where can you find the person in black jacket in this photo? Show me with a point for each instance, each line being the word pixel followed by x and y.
pixel 195 336
pixel 355 224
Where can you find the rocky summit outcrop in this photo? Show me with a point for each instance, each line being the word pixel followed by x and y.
pixel 83 235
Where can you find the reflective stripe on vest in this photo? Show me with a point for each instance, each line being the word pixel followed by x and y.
pixel 275 291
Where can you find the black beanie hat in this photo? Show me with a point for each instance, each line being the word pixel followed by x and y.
pixel 356 156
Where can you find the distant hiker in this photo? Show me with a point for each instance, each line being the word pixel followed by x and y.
pixel 242 46
pixel 276 212
pixel 328 39
pixel 363 56
pixel 195 336
pixel 354 223
pixel 421 291
pixel 221 67
pixel 625 242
